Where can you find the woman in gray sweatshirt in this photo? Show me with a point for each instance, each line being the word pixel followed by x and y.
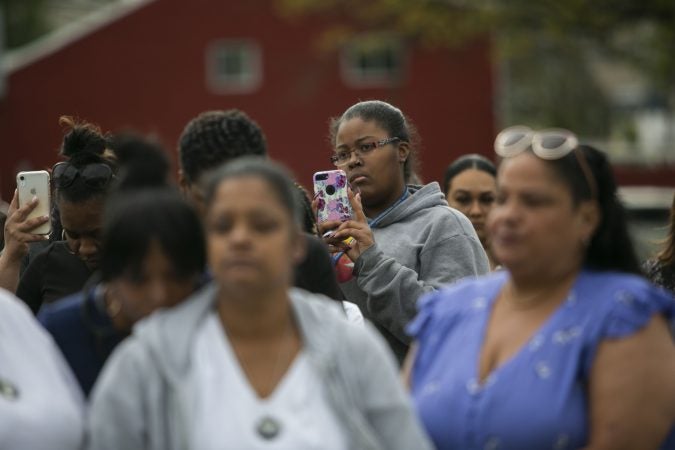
pixel 407 241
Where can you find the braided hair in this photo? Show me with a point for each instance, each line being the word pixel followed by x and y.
pixel 215 137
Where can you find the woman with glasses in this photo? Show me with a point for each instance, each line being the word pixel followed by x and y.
pixel 81 184
pixel 568 347
pixel 470 185
pixel 405 239
pixel 248 362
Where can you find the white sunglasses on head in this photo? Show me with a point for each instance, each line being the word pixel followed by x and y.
pixel 553 143
pixel 549 144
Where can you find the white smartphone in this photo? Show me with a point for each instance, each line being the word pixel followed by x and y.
pixel 36 184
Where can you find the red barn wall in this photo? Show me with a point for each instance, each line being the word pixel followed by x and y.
pixel 146 71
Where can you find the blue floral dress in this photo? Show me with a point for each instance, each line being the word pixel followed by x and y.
pixel 538 398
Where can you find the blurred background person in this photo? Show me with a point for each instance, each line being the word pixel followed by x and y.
pixel 41 406
pixel 661 268
pixel 216 137
pixel 407 241
pixel 470 185
pixel 152 255
pixel 249 362
pixel 564 338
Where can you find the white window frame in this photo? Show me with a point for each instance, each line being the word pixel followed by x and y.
pixel 251 77
pixel 355 76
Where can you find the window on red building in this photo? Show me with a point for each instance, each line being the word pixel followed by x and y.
pixel 233 66
pixel 373 61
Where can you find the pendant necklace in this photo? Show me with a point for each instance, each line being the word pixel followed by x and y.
pixel 8 390
pixel 269 427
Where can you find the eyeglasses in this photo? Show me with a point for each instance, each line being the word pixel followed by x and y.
pixel 342 157
pixel 96 175
pixel 549 144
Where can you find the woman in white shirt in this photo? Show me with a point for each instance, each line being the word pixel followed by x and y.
pixel 249 362
pixel 41 405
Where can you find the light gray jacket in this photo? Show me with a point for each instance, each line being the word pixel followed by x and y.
pixel 140 400
pixel 420 246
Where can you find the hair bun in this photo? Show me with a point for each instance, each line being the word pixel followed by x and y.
pixel 82 138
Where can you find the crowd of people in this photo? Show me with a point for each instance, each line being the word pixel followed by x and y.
pixel 503 309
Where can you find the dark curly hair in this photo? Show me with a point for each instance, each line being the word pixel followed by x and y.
pixel 84 144
pixel 215 137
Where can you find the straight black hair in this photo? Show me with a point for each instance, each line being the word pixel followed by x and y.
pixel 611 247
pixel 134 219
pixel 465 162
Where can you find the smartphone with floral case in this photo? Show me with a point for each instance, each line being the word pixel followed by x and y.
pixel 330 189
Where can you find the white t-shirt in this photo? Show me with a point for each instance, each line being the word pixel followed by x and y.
pixel 41 405
pixel 353 313
pixel 227 412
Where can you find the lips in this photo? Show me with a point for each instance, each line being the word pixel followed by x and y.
pixel 357 178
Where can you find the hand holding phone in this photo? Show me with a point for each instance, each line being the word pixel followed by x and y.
pixel 35 184
pixel 332 200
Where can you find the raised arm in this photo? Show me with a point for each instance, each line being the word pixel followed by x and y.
pixel 17 236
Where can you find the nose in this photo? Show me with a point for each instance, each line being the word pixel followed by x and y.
pixel 157 294
pixel 88 248
pixel 241 235
pixel 354 159
pixel 475 209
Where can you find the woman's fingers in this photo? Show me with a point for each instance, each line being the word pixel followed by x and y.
pixel 357 206
pixel 20 214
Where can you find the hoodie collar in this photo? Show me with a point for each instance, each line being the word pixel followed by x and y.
pixel 169 334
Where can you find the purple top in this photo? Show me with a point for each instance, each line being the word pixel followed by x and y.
pixel 537 398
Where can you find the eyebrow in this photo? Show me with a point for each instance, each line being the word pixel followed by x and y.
pixel 357 141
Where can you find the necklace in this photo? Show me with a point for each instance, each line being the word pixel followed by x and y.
pixel 535 299
pixel 8 390
pixel 269 427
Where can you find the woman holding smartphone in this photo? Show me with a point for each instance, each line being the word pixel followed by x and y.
pixel 406 241
pixel 81 184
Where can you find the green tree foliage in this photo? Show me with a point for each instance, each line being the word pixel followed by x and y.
pixel 25 20
pixel 542 47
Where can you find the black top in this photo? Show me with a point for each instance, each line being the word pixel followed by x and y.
pixel 315 273
pixel 53 274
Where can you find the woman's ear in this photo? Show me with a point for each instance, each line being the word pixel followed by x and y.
pixel 403 152
pixel 590 216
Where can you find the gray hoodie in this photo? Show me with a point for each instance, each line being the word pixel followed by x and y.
pixel 421 245
pixel 141 398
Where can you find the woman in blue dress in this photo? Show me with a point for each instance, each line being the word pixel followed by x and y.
pixel 568 347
